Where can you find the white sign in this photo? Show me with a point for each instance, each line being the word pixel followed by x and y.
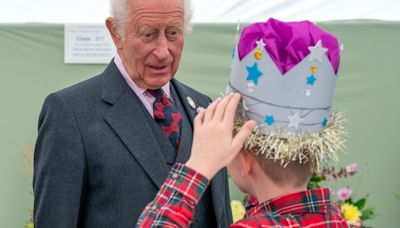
pixel 89 43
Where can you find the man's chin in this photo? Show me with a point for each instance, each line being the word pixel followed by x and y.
pixel 157 81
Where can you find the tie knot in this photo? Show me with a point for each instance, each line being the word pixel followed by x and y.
pixel 156 92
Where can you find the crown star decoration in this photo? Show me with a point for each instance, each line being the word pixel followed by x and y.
pixel 295 120
pixel 253 73
pixel 317 52
pixel 287 77
pixel 260 44
pixel 262 85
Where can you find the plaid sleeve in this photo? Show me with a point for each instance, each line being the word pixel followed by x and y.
pixel 251 204
pixel 174 204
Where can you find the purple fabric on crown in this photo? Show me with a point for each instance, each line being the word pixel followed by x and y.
pixel 287 42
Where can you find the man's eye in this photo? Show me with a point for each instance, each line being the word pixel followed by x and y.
pixel 172 33
pixel 148 35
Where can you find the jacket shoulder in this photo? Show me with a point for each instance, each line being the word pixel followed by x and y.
pixel 192 92
pixel 82 89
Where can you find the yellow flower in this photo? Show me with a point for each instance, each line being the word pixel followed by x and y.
pixel 238 210
pixel 350 212
pixel 29 225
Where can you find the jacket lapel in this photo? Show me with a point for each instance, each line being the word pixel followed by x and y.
pixel 183 95
pixel 219 184
pixel 186 133
pixel 127 118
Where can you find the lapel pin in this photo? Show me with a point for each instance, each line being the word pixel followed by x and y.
pixel 191 102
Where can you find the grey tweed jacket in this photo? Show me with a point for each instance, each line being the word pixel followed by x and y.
pixel 99 159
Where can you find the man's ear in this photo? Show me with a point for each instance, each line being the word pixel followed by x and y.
pixel 247 162
pixel 112 29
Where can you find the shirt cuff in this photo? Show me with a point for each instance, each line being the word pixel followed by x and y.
pixel 188 182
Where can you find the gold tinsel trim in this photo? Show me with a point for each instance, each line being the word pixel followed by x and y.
pixel 317 148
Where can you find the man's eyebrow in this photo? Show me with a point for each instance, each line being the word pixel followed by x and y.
pixel 147 26
pixel 156 26
pixel 178 25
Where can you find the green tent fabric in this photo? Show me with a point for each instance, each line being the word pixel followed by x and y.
pixel 32 66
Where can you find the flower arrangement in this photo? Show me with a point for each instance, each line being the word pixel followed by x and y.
pixel 238 210
pixel 352 209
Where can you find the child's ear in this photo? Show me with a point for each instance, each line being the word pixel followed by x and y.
pixel 247 162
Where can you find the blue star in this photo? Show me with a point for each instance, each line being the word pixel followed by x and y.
pixel 269 120
pixel 254 73
pixel 324 122
pixel 311 79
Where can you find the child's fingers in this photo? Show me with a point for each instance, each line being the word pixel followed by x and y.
pixel 220 110
pixel 230 112
pixel 210 110
pixel 243 134
pixel 198 120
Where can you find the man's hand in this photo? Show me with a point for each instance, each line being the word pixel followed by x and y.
pixel 214 146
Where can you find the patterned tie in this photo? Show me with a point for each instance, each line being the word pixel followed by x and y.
pixel 167 116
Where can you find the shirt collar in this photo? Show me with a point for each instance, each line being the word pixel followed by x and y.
pixel 138 90
pixel 317 200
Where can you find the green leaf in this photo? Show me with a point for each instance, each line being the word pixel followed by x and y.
pixel 360 203
pixel 313 185
pixel 368 213
pixel 316 179
pixel 349 201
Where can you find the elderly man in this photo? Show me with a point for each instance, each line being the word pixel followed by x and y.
pixel 106 145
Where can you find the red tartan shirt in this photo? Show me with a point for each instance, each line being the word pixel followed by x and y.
pixel 175 203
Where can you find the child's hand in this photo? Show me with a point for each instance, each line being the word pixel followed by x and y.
pixel 214 146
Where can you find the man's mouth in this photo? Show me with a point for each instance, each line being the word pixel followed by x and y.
pixel 155 69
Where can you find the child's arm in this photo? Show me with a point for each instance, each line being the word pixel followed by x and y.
pixel 175 203
pixel 213 148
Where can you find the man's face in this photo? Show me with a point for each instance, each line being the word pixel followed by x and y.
pixel 152 44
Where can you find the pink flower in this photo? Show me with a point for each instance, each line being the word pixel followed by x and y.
pixel 356 224
pixel 344 193
pixel 351 169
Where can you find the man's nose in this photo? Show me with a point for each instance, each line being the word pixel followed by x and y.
pixel 161 51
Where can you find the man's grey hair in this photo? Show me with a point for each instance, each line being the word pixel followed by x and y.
pixel 120 11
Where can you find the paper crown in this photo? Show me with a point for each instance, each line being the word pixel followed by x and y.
pixel 286 73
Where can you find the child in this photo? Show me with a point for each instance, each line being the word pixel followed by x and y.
pixel 285 74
